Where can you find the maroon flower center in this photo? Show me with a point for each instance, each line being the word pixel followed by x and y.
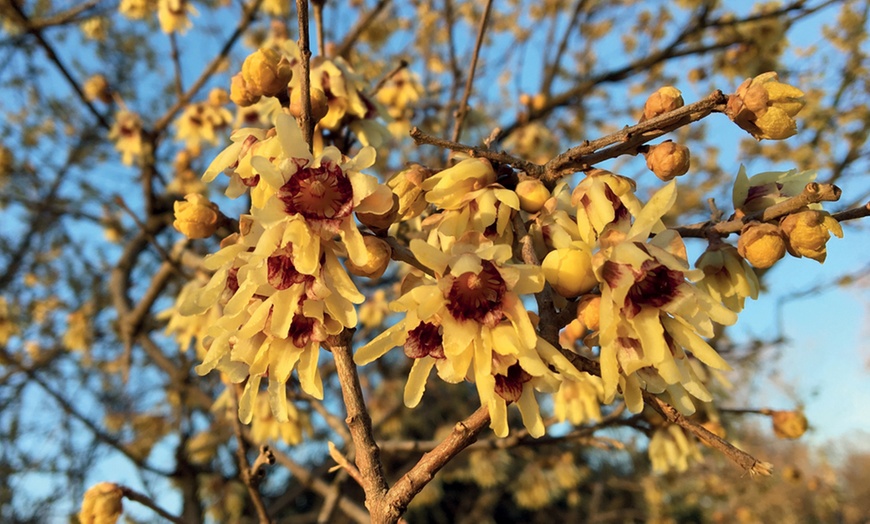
pixel 280 269
pixel 510 387
pixel 424 340
pixel 318 193
pixel 654 286
pixel 478 296
pixel 302 330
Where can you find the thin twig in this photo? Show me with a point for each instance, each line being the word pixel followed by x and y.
pixel 244 465
pixel 463 105
pixel 318 26
pixel 346 465
pixel 305 120
pixel 501 157
pixel 146 501
pixel 176 64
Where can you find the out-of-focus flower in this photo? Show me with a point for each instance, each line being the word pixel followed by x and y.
pixel 196 216
pixel 126 132
pixel 579 401
pixel 200 121
pixel 8 326
pixel 664 100
pixel 94 28
pixel 668 160
pixel 807 233
pixel 374 310
pixel 137 9
pixel 97 88
pixel 727 276
pixel 789 424
pixel 102 504
pixel 266 428
pixel 173 15
pixel 79 332
pixel 765 107
pixel 670 450
pixel 276 8
pixel 534 142
pixel 761 244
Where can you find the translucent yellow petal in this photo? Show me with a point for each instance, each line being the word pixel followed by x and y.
pixel 284 356
pixel 309 377
pixel 660 203
pixel 498 416
pixel 416 385
pixel 278 399
pixel 531 413
pixel 382 343
pixel 692 342
pixel 268 172
pixel 249 396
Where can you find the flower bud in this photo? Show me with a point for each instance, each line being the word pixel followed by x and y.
pixel 196 217
pixel 761 244
pixel 408 186
pixel 569 271
pixel 789 424
pixel 319 104
pixel 97 88
pixel 383 221
pixel 664 100
pixel 102 504
pixel 266 73
pixel 808 231
pixel 379 258
pixel 218 97
pixel 765 107
pixel 572 333
pixel 240 94
pixel 532 194
pixel 588 311
pixel 668 160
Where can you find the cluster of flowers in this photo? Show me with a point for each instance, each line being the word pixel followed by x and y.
pixel 279 289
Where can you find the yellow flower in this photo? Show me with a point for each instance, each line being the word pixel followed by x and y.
pixel 97 88
pixel 94 28
pixel 102 504
pixel 579 402
pixel 670 449
pixel 173 15
pixel 265 428
pixel 763 190
pixel 765 107
pixel 408 186
pixel 807 233
pixel 601 199
pixel 199 123
pixel 651 314
pixel 126 132
pixel 534 142
pixel 472 200
pixel 789 424
pixel 470 323
pixel 137 9
pixel 196 216
pixel 727 276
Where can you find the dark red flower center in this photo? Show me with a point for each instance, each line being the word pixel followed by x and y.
pixel 318 193
pixel 654 286
pixel 424 340
pixel 510 387
pixel 280 269
pixel 478 296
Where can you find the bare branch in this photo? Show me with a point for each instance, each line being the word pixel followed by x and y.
pixel 463 105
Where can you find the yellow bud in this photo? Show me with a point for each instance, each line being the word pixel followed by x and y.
pixel 383 221
pixel 668 160
pixel 664 100
pixel 572 332
pixel 789 424
pixel 532 194
pixel 266 72
pixel 761 244
pixel 102 504
pixel 589 310
pixel 319 104
pixel 808 232
pixel 569 271
pixel 196 217
pixel 240 94
pixel 379 258
pixel 765 107
pixel 97 88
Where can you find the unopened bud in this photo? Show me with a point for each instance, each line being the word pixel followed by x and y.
pixel 102 504
pixel 789 424
pixel 240 94
pixel 319 104
pixel 761 244
pixel 765 107
pixel 383 221
pixel 266 72
pixel 664 100
pixel 569 271
pixel 408 186
pixel 379 258
pixel 808 232
pixel 668 160
pixel 532 194
pixel 196 217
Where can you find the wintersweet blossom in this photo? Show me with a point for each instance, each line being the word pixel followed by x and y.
pixel 603 198
pixel 469 322
pixel 651 314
